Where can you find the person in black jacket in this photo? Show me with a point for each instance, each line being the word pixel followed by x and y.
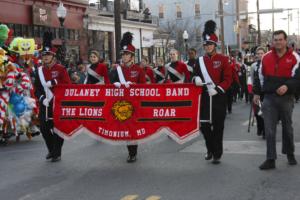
pixel 255 78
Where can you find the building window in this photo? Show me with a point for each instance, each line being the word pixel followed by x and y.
pixel 137 56
pixel 161 12
pixel 198 35
pixel 197 10
pixel 178 12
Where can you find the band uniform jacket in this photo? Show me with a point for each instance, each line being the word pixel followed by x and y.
pixel 160 74
pixel 218 69
pixel 275 72
pixel 177 72
pixel 149 73
pixel 57 74
pixel 133 73
pixel 97 74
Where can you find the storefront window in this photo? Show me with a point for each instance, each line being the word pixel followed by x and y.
pixel 76 34
pixel 72 34
pixel 30 31
pixel 53 32
pixel 61 33
pixel 36 31
pixel 56 35
pixel 18 30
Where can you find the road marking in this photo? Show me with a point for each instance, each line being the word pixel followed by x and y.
pixel 250 147
pixel 153 198
pixel 131 197
pixel 21 150
pixel 246 123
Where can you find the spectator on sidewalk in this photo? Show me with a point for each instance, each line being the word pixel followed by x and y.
pixel 278 79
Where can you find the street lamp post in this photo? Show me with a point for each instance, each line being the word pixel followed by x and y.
pixel 221 13
pixel 61 13
pixel 185 37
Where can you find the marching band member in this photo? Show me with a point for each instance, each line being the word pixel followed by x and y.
pixel 213 69
pixel 232 91
pixel 254 73
pixel 97 72
pixel 177 71
pixel 149 73
pixel 128 73
pixel 49 75
pixel 160 71
pixel 191 62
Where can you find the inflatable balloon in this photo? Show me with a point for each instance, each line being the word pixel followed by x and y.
pixel 19 108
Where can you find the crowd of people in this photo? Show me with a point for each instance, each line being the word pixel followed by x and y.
pixel 268 82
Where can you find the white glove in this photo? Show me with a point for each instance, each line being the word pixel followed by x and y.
pixel 117 84
pixel 212 92
pixel 127 84
pixel 46 102
pixel 49 84
pixel 198 81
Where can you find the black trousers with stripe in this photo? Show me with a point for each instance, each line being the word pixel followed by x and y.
pixel 213 132
pixel 53 142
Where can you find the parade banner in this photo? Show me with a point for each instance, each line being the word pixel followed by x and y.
pixel 127 115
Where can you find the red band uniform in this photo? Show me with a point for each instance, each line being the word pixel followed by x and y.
pixel 133 74
pixel 54 74
pixel 177 72
pixel 220 72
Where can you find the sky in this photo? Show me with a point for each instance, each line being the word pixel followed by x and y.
pixel 280 19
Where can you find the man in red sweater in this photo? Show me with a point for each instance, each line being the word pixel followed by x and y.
pixel 278 79
pixel 49 75
pixel 213 69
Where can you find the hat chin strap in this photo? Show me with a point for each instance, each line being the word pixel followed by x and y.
pixel 51 63
pixel 214 52
pixel 128 64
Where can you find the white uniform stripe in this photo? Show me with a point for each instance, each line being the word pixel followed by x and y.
pixel 260 75
pixel 297 64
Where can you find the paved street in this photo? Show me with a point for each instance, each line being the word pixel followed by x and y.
pixel 164 170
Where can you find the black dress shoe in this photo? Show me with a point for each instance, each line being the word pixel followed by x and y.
pixel 268 164
pixel 216 160
pixel 208 156
pixel 259 132
pixel 131 159
pixel 56 159
pixel 35 134
pixel 48 156
pixel 291 159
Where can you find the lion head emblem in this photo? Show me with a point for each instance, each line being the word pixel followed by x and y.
pixel 122 110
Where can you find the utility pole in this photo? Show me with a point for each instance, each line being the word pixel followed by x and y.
pixel 221 13
pixel 117 16
pixel 258 23
pixel 288 20
pixel 272 16
pixel 298 26
pixel 238 24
